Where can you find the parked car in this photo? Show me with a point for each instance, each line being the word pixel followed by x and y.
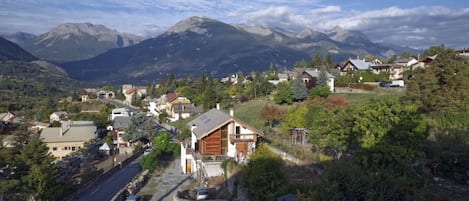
pixel 133 198
pixel 146 151
pixel 200 194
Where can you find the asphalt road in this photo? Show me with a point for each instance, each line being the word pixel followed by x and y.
pixel 108 187
pixel 119 103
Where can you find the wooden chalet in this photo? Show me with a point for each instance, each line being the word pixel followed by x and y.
pixel 217 135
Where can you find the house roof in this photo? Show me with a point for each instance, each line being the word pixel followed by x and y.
pixel 403 60
pixel 186 108
pixel 120 110
pixel 59 113
pixel 213 119
pixel 315 73
pixel 172 96
pixel 76 133
pixel 121 122
pixel 282 76
pixel 130 90
pixel 37 123
pixel 4 115
pixel 360 64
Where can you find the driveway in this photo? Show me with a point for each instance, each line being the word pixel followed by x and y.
pixel 162 186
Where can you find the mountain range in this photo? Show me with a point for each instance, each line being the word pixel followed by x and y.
pixel 72 41
pixel 194 46
pixel 20 67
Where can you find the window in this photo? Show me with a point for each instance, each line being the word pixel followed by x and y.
pixel 73 148
pixel 54 148
pixel 238 131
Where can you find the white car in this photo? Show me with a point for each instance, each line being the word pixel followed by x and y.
pixel 200 194
pixel 146 152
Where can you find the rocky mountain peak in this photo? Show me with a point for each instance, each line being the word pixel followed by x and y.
pixel 338 33
pixel 82 28
pixel 76 41
pixel 193 24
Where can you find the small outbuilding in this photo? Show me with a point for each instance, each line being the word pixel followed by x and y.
pixel 298 136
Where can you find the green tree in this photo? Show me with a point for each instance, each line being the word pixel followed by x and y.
pixel 442 86
pixel 320 91
pixel 405 54
pixel 140 126
pixel 284 94
pixel 328 60
pixel 392 59
pixel 369 57
pixel 301 64
pixel 294 118
pixel 298 90
pixel 40 181
pixel 162 142
pixel 262 184
pixel 316 61
pixel 322 79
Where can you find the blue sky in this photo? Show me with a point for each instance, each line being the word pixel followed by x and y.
pixel 414 23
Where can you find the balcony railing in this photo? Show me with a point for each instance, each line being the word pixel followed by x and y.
pixel 243 137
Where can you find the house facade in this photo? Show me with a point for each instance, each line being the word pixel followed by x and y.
pixel 130 90
pixel 120 112
pixel 119 126
pixel 355 65
pixel 7 117
pixel 216 135
pixel 57 116
pixel 310 76
pixel 68 138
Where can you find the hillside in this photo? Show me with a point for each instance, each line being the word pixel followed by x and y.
pixel 27 85
pixel 11 51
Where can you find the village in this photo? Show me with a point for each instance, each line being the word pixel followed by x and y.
pixel 214 134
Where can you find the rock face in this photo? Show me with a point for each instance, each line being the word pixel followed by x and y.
pixel 78 41
pixel 201 45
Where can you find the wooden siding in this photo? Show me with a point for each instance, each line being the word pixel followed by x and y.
pixel 211 145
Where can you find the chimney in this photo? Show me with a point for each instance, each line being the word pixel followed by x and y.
pixel 193 127
pixel 232 112
pixel 218 106
pixel 61 132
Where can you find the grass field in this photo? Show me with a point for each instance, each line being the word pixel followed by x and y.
pixel 361 98
pixel 249 112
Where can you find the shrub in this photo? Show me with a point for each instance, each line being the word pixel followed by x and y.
pixel 320 91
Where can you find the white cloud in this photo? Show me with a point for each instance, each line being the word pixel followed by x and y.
pixel 417 27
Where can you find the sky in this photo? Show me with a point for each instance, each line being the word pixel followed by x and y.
pixel 411 23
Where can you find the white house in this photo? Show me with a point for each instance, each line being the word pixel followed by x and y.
pixel 57 116
pixel 120 112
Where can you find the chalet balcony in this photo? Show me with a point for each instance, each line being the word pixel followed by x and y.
pixel 243 138
pixel 208 158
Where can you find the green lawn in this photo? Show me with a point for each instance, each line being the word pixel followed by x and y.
pixel 249 112
pixel 361 98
